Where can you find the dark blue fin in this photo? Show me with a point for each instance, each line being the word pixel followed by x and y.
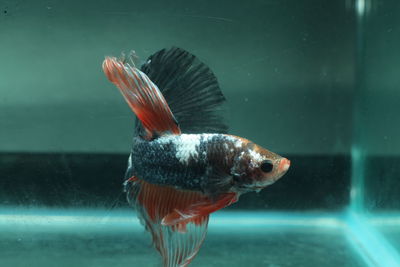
pixel 190 89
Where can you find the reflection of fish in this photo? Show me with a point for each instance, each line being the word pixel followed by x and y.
pixel 183 166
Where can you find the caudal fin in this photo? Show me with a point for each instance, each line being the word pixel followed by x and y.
pixel 176 219
pixel 143 96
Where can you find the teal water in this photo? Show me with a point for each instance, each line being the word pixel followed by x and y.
pixel 99 238
pixel 316 81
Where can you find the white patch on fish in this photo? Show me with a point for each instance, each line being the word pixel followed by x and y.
pixel 255 155
pixel 166 139
pixel 208 137
pixel 130 161
pixel 186 147
pixel 256 158
pixel 234 167
pixel 236 141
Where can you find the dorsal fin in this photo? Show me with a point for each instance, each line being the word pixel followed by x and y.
pixel 190 89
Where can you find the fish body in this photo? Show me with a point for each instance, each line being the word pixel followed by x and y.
pixel 209 163
pixel 183 165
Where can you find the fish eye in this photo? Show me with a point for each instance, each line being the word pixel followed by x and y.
pixel 266 166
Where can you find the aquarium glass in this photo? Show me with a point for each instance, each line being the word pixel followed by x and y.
pixel 314 81
pixel 376 147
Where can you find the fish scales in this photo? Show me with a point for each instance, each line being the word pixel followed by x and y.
pixel 183 161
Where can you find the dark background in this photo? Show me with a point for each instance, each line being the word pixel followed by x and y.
pixel 87 180
pixel 286 68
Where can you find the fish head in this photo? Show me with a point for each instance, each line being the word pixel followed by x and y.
pixel 257 167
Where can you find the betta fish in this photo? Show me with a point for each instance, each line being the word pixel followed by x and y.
pixel 183 165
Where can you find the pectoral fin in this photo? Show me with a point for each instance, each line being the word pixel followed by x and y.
pixel 199 209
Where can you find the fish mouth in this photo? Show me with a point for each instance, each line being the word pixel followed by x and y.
pixel 282 169
pixel 284 165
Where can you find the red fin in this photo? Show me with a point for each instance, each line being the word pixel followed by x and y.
pixel 178 240
pixel 161 201
pixel 199 209
pixel 143 96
